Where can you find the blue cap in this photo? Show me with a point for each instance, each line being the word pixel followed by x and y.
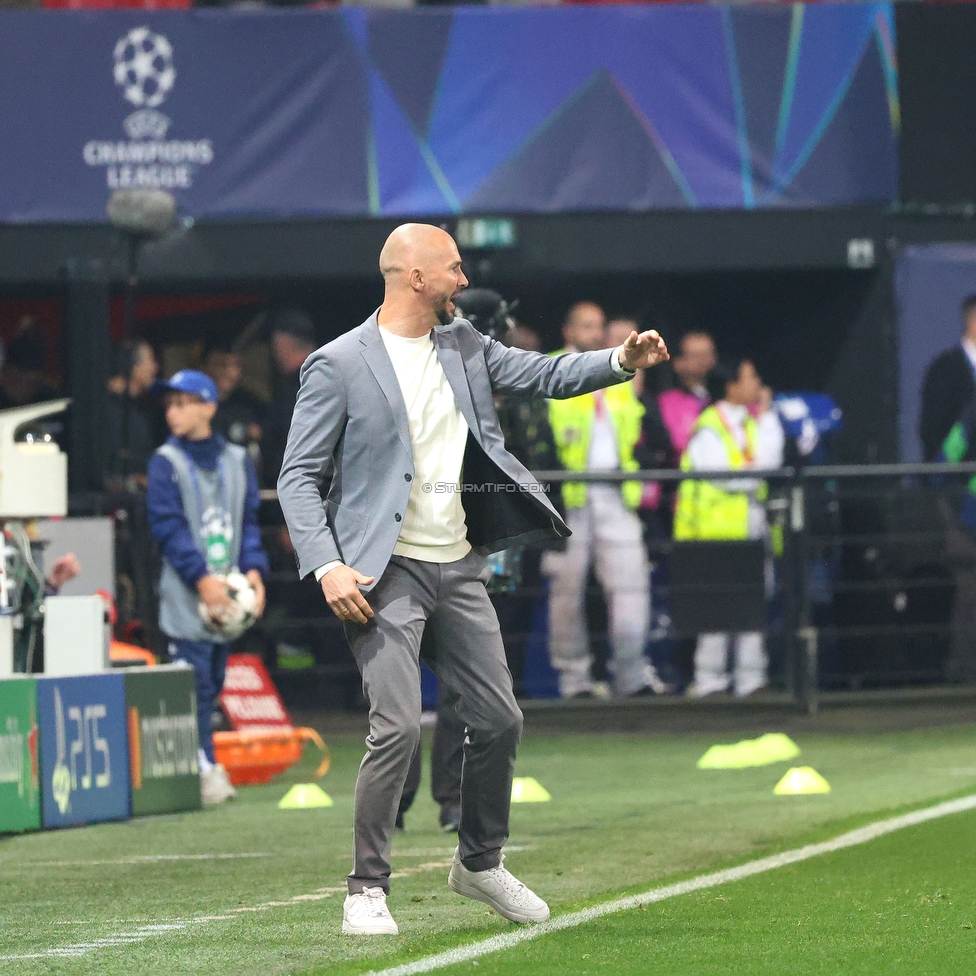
pixel 190 381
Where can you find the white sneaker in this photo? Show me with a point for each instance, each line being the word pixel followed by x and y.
pixel 745 689
pixel 657 684
pixel 638 679
pixel 215 785
pixel 225 776
pixel 366 913
pixel 499 888
pixel 700 690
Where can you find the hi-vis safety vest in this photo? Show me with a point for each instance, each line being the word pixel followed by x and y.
pixel 572 424
pixel 705 511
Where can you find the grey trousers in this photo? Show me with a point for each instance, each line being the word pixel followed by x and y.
pixel 450 599
pixel 446 758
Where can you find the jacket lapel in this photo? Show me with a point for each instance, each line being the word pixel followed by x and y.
pixel 378 361
pixel 450 359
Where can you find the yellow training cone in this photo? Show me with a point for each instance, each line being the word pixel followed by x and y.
pixel 735 756
pixel 305 796
pixel 770 748
pixel 801 779
pixel 525 789
pixel 775 747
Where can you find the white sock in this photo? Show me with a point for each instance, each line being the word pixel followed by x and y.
pixel 203 762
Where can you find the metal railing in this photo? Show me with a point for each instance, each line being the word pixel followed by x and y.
pixel 863 584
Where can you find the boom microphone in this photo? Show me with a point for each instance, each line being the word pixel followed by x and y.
pixel 150 213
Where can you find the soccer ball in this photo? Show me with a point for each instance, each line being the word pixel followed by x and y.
pixel 240 616
pixel 144 67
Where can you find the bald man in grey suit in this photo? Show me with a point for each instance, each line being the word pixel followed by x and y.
pixel 395 485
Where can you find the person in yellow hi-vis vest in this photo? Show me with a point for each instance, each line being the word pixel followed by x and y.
pixel 598 432
pixel 739 431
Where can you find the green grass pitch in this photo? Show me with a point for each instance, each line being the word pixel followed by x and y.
pixel 248 889
pixel 902 904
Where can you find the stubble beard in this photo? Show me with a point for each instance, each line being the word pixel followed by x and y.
pixel 444 313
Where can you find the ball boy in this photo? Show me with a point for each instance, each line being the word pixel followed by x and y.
pixel 203 501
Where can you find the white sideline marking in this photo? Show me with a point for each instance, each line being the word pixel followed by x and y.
pixel 143 932
pixel 137 859
pixel 854 837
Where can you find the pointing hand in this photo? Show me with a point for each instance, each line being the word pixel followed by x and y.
pixel 643 351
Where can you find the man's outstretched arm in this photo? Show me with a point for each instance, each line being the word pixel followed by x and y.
pixel 570 374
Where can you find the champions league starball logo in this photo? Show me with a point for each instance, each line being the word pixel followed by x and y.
pixel 144 68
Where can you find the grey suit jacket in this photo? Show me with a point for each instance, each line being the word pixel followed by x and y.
pixel 348 465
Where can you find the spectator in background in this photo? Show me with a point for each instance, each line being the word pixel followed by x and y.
pixel 959 447
pixel 739 431
pixel 599 432
pixel 22 380
pixel 292 339
pixel 240 414
pixel 133 422
pixel 524 337
pixel 681 406
pixel 949 385
pixel 653 450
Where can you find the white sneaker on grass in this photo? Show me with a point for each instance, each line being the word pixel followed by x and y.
pixel 215 786
pixel 500 889
pixel 365 913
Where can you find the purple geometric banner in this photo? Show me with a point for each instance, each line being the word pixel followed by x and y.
pixel 313 113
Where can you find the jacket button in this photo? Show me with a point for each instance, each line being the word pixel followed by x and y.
pixel 408 477
pixel 397 516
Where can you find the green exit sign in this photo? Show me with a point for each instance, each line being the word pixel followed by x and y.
pixel 485 232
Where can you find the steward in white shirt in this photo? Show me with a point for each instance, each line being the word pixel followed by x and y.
pixel 738 432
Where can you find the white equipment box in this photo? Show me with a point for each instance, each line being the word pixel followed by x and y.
pixel 76 635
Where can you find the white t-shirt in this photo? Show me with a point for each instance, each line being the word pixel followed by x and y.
pixel 603 453
pixel 433 525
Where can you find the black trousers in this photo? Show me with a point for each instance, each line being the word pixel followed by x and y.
pixel 960 666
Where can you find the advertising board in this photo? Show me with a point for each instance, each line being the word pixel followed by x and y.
pixel 20 802
pixel 84 749
pixel 163 740
pixel 249 697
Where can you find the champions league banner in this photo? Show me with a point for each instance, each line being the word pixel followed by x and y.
pixel 237 115
pixel 319 113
